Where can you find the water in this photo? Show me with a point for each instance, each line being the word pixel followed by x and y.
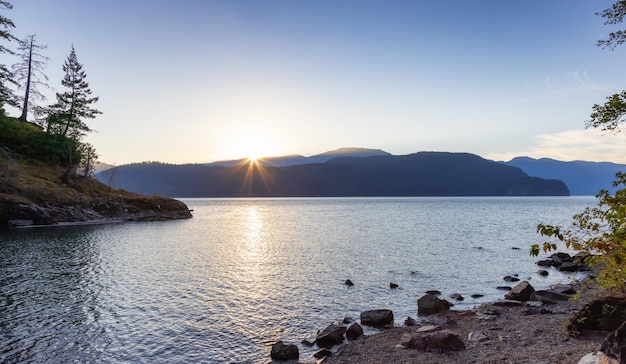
pixel 244 273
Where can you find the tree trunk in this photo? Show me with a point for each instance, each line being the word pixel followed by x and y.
pixel 27 92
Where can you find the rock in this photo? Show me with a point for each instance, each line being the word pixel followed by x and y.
pixel 561 257
pixel 569 267
pixel 548 297
pixel 349 283
pixel 457 296
pixel 19 223
pixel 332 335
pixel 393 285
pixel 377 318
pixel 434 291
pixel 322 353
pixel 542 272
pixel 590 358
pixel 431 304
pixel 437 342
pixel 477 336
pixel 507 303
pixel 430 328
pixel 504 288
pixel 605 314
pixel 563 288
pixel 308 343
pixel 520 292
pixel 614 346
pixel 545 263
pixel 477 295
pixel 510 279
pixel 354 331
pixel 347 320
pixel 410 321
pixel 281 351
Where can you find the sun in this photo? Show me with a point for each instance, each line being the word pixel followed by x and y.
pixel 251 147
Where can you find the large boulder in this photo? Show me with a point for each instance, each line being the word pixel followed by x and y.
pixel 614 346
pixel 332 335
pixel 438 342
pixel 377 318
pixel 282 351
pixel 520 292
pixel 431 304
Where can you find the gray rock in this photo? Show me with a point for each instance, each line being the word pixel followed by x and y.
pixel 545 263
pixel 410 321
pixel 542 272
pixel 457 296
pixel 282 351
pixel 322 353
pixel 548 297
pixel 510 279
pixel 561 257
pixel 433 291
pixel 377 318
pixel 437 342
pixel 563 288
pixel 431 304
pixel 354 332
pixel 332 335
pixel 569 267
pixel 520 292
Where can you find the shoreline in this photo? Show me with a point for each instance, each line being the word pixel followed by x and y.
pixel 495 332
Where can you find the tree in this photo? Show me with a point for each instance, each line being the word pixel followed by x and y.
pixel 614 15
pixel 29 74
pixel 74 105
pixel 6 76
pixel 601 230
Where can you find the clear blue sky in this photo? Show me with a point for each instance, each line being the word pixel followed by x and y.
pixel 199 81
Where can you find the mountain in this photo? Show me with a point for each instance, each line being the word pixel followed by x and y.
pixel 296 159
pixel 582 178
pixel 376 174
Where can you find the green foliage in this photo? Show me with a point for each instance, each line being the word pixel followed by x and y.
pixel 599 230
pixel 614 15
pixel 608 115
pixel 30 141
pixel 74 105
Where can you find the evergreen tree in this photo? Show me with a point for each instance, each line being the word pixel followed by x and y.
pixel 6 77
pixel 29 74
pixel 74 105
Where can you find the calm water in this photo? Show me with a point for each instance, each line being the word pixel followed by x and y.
pixel 244 273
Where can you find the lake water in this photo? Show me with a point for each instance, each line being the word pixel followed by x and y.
pixel 244 273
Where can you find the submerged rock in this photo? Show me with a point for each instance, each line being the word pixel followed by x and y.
pixel 348 283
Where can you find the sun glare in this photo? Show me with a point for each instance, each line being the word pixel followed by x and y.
pixel 251 147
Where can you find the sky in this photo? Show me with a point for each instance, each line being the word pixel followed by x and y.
pixel 194 81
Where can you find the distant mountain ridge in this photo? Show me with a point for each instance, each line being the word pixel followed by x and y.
pixel 296 159
pixel 581 177
pixel 344 172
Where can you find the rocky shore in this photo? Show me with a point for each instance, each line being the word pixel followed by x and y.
pixel 526 326
pixel 36 194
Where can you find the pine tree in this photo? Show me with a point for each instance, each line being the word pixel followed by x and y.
pixel 74 105
pixel 6 76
